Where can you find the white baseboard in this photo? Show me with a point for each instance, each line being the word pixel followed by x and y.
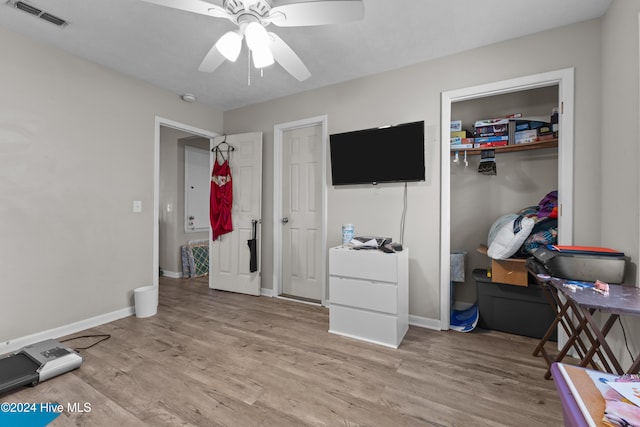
pixel 425 322
pixel 72 328
pixel 264 292
pixel 317 304
pixel 172 274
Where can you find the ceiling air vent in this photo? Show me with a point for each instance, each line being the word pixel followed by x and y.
pixel 26 7
pixel 53 19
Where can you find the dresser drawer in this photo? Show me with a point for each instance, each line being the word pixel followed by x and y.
pixel 369 326
pixel 364 264
pixel 364 294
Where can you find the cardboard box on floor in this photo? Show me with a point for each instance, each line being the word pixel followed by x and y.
pixel 512 271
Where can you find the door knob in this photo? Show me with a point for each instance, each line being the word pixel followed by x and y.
pixel 192 218
pixel 285 220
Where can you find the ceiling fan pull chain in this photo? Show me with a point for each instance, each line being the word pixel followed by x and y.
pixel 248 67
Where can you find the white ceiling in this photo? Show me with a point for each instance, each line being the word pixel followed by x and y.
pixel 165 46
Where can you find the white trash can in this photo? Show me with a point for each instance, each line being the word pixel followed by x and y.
pixel 146 301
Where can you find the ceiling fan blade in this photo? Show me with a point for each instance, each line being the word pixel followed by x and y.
pixel 287 58
pixel 212 60
pixel 317 13
pixel 195 6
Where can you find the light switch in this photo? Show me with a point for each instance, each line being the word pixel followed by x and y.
pixel 137 206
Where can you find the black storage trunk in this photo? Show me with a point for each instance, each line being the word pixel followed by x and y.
pixel 514 309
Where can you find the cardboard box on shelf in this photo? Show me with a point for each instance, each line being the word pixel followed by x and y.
pixel 486 139
pixel 492 130
pixel 460 147
pixel 457 141
pixel 461 134
pixel 512 271
pixel 496 120
pixel 525 136
pixel 491 144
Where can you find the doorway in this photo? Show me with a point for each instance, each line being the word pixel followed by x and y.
pixel 167 208
pixel 564 80
pixel 300 194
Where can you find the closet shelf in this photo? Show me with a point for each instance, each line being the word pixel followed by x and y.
pixel 537 145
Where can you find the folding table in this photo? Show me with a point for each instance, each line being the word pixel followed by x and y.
pixel 563 318
pixel 582 303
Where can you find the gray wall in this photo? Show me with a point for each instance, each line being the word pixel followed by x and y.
pixel 76 148
pixel 619 153
pixel 413 93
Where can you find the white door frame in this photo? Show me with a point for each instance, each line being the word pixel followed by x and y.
pixel 278 140
pixel 565 80
pixel 159 122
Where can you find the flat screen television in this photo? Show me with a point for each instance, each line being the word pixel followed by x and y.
pixel 371 156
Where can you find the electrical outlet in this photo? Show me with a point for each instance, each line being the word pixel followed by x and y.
pixel 137 206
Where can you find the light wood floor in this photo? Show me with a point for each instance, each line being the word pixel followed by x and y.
pixel 211 358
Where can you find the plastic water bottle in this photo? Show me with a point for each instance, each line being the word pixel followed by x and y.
pixel 347 234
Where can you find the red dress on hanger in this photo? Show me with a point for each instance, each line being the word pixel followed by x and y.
pixel 221 197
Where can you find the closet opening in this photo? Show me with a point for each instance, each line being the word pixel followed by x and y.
pixel 472 201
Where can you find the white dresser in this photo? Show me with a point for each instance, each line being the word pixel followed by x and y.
pixel 369 295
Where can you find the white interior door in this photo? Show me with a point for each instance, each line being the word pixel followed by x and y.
pixel 229 254
pixel 197 177
pixel 302 244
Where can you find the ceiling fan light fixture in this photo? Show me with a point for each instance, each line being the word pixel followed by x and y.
pixel 262 57
pixel 257 37
pixel 251 18
pixel 229 45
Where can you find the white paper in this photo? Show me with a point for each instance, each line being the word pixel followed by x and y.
pixel 368 244
pixel 631 391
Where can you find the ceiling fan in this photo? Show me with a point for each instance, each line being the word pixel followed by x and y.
pixel 252 16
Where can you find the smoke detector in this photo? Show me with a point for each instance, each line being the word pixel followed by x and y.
pixel 188 97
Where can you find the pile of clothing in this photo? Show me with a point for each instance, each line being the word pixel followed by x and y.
pixel 545 228
pixel 518 235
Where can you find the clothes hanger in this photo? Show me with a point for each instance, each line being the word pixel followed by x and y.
pixel 218 149
pixel 224 141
